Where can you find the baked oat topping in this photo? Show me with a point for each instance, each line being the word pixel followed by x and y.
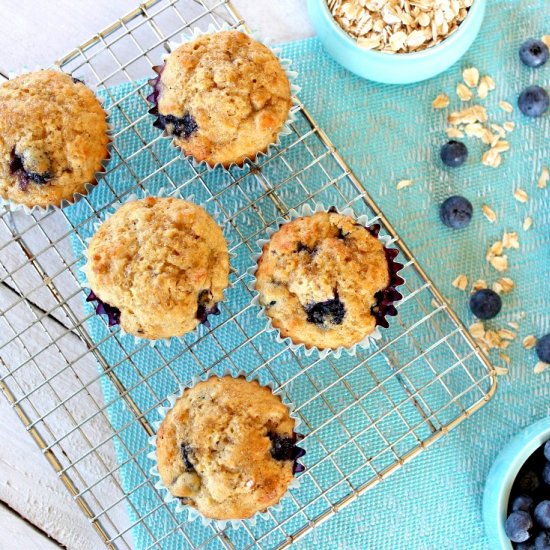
pixel 399 26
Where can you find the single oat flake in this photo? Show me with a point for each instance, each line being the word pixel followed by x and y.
pixel 527 223
pixel 544 178
pixel 441 101
pixel 529 342
pixel 471 77
pixel 540 367
pixel 505 106
pixel 463 92
pixel 521 195
pixel 461 282
pixel 488 213
pixel 404 183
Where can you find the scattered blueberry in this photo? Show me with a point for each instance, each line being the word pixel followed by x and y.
pixel 454 153
pixel 183 127
pixel 518 526
pixel 547 450
pixel 527 545
pixel 485 304
pixel 528 482
pixel 533 101
pixel 185 452
pixel 523 503
pixel 542 541
pixel 533 53
pixel 543 351
pixel 542 514
pixel 204 309
pixel 456 212
pixel 329 312
pixel 546 473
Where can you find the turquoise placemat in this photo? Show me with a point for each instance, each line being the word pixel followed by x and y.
pixel 389 133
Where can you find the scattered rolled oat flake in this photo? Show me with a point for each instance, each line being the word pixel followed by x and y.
pixel 529 342
pixel 471 77
pixel 495 249
pixel 454 133
pixel 463 92
pixel 527 223
pixel 441 101
pixel 505 106
pixel 500 263
pixel 510 240
pixel 501 146
pixel 491 158
pixel 404 183
pixel 497 287
pixel 513 325
pixel 488 213
pixel 501 371
pixel 546 39
pixel 488 81
pixel 506 284
pixel 461 282
pixel 480 284
pixel 521 195
pixel 540 367
pixel 477 330
pixel 505 358
pixel 509 126
pixel 544 178
pixel 506 334
pixel 475 113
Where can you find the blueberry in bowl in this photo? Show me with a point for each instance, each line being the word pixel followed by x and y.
pixel 516 500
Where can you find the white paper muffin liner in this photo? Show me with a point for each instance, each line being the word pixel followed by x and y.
pixel 192 513
pixel 305 211
pixel 85 284
pixel 294 90
pixel 14 206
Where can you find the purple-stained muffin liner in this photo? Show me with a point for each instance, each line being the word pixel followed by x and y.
pixel 112 313
pixel 193 513
pixel 14 206
pixel 386 299
pixel 187 125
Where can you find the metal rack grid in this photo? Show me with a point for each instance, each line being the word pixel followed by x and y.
pixel 363 416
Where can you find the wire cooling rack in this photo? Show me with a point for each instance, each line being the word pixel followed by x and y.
pixel 363 416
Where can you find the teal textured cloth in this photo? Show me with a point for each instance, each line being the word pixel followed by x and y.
pixel 389 133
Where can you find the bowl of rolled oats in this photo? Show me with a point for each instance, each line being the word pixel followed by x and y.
pixel 397 41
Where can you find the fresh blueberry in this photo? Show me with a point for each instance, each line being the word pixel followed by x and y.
pixel 456 212
pixel 542 514
pixel 185 452
pixel 205 308
pixel 527 545
pixel 547 450
pixel 183 127
pixel 542 541
pixel 485 304
pixel 523 503
pixel 454 153
pixel 543 351
pixel 546 473
pixel 528 481
pixel 533 101
pixel 533 53
pixel 284 448
pixel 518 526
pixel 329 312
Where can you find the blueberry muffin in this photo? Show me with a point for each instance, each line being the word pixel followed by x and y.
pixel 159 266
pixel 327 281
pixel 228 448
pixel 53 138
pixel 223 97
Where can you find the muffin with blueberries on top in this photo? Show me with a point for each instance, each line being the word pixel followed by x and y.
pixel 53 138
pixel 223 97
pixel 228 448
pixel 326 281
pixel 158 266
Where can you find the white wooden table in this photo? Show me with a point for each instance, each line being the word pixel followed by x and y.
pixel 36 511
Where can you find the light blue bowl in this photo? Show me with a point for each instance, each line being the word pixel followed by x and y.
pixel 501 477
pixel 394 68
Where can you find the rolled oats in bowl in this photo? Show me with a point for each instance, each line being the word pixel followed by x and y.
pixel 399 26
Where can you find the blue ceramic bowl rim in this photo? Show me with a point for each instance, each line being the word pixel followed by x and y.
pixel 520 450
pixel 476 6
